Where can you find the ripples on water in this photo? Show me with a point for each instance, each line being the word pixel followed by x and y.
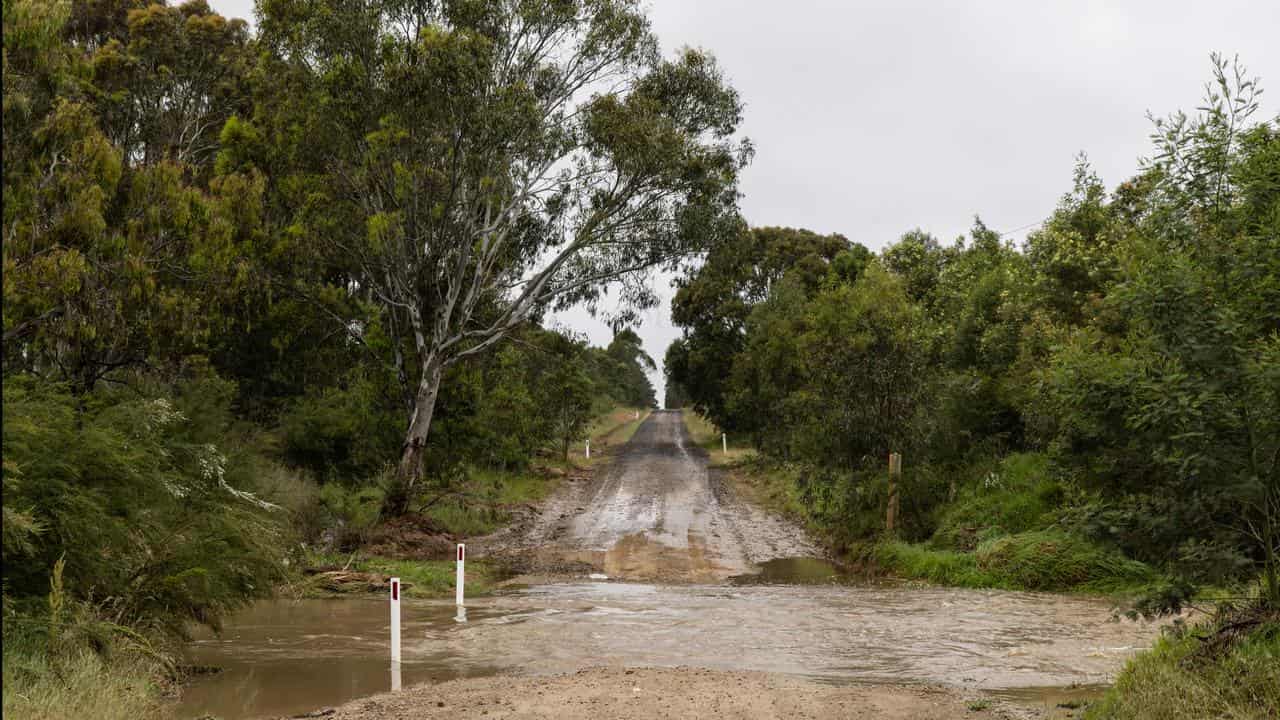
pixel 285 657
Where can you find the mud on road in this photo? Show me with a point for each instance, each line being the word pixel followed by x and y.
pixel 656 512
pixel 633 694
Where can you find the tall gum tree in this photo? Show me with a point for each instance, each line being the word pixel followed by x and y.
pixel 478 162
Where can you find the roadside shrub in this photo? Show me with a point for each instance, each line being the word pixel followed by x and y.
pixel 144 501
pixel 342 434
pixel 349 513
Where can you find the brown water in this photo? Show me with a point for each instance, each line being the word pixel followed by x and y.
pixel 286 657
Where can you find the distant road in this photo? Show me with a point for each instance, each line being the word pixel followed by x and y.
pixel 655 513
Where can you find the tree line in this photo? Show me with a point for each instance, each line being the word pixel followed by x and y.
pixel 1131 345
pixel 239 265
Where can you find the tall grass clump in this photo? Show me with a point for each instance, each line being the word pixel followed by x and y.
pixel 1055 560
pixel 64 660
pixel 1228 667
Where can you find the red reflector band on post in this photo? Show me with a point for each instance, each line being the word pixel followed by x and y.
pixel 459 553
pixel 395 591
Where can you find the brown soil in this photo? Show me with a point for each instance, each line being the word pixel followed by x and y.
pixel 624 694
pixel 349 581
pixel 412 537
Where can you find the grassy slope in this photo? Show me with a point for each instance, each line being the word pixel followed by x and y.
pixel 999 532
pixel 706 435
pixel 609 430
pixel 482 509
pixel 1178 680
pixel 421 578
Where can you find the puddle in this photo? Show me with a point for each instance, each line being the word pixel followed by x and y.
pixel 287 657
pixel 1054 703
pixel 796 571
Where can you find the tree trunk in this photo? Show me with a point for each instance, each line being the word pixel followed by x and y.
pixel 415 440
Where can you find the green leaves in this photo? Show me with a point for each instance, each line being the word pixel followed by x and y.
pixel 136 501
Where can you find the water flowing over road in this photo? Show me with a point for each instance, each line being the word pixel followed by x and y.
pixel 657 519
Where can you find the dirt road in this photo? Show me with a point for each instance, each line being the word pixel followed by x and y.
pixel 639 694
pixel 655 513
pixel 677 641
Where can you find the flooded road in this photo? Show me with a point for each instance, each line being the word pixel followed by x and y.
pixel 285 657
pixel 708 582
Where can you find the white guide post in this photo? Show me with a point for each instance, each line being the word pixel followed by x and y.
pixel 637 415
pixel 395 624
pixel 588 448
pixel 724 443
pixel 462 559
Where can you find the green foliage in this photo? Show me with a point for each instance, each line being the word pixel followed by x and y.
pixel 715 303
pixel 1123 363
pixel 120 243
pixel 1055 560
pixel 1210 670
pixel 1015 496
pixel 341 433
pixel 138 500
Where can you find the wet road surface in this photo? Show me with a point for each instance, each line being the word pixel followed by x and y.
pixel 288 657
pixel 654 513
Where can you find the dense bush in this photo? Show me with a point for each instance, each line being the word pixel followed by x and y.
pixel 142 500
pixel 1114 381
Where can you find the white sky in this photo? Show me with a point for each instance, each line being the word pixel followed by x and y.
pixel 873 118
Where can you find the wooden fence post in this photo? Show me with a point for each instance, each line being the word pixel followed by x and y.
pixel 891 512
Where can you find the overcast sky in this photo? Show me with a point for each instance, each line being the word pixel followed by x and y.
pixel 873 118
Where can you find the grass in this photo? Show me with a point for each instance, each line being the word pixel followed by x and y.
pixel 608 430
pixel 1045 560
pixel 1178 680
pixel 483 505
pixel 770 487
pixel 420 578
pixel 82 686
pixel 1016 495
pixel 79 682
pixel 706 435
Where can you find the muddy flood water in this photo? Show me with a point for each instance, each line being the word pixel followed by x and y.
pixel 288 657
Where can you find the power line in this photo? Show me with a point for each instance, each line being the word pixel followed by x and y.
pixel 1003 233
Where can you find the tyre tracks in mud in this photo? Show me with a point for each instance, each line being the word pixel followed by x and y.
pixel 654 512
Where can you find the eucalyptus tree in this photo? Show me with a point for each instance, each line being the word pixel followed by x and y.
pixel 121 247
pixel 479 162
